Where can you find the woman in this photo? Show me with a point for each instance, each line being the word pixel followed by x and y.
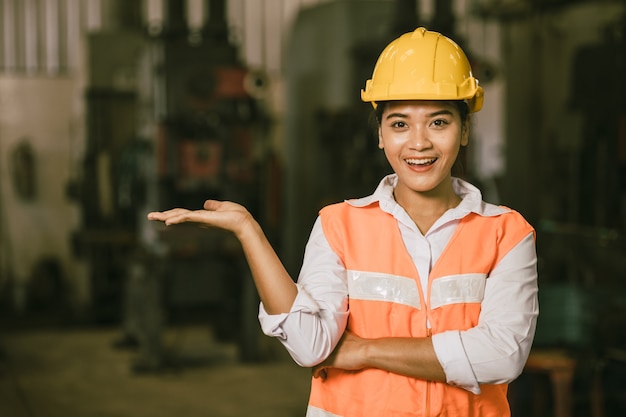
pixel 421 299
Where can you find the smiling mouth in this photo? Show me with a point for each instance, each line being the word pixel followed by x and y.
pixel 420 161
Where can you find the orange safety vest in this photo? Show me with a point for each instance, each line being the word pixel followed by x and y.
pixel 386 300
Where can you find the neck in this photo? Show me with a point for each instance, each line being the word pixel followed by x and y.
pixel 425 208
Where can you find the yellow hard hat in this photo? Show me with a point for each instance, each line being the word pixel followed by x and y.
pixel 423 65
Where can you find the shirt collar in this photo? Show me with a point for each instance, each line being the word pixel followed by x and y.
pixel 471 199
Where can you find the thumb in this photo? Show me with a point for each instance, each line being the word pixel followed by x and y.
pixel 211 205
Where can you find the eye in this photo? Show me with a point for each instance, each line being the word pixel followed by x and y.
pixel 398 124
pixel 440 122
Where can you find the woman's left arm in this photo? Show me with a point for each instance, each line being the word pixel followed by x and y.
pixel 498 347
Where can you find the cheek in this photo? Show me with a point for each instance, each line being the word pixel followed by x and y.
pixel 455 153
pixel 391 140
pixel 452 147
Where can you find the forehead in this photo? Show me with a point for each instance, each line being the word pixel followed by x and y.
pixel 420 106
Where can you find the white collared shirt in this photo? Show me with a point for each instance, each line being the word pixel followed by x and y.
pixel 494 351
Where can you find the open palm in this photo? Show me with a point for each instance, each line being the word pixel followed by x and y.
pixel 221 214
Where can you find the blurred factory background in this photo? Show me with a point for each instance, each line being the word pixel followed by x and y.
pixel 110 109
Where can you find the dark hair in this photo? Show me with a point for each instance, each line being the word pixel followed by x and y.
pixel 459 165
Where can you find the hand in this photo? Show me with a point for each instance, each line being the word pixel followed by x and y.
pixel 221 214
pixel 348 355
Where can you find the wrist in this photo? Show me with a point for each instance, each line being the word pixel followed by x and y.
pixel 367 352
pixel 247 228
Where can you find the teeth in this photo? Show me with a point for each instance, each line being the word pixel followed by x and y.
pixel 422 161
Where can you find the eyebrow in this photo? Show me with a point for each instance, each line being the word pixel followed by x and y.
pixel 434 114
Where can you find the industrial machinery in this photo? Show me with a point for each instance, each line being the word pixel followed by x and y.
pixel 211 145
pixel 173 120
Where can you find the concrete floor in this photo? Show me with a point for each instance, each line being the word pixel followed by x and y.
pixel 54 367
pixel 75 372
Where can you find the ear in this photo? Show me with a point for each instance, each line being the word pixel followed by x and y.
pixel 380 139
pixel 465 134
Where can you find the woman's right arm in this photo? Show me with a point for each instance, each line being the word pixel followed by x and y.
pixel 318 317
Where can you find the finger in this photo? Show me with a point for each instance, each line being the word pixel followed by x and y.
pixel 187 216
pixel 156 215
pixel 164 215
pixel 212 205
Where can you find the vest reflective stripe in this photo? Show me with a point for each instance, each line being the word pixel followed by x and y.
pixel 318 412
pixel 455 289
pixel 374 286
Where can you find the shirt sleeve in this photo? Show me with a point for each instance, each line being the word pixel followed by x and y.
pixel 496 350
pixel 318 316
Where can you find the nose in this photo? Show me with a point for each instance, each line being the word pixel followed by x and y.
pixel 419 139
